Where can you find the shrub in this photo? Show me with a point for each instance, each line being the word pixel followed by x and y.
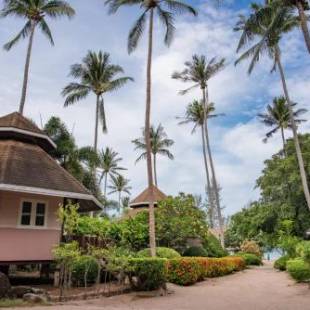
pixel 195 251
pixel 147 274
pixel 298 269
pixel 161 252
pixel 280 263
pixel 84 270
pixel 250 246
pixel 187 271
pixel 213 247
pixel 303 250
pixel 250 259
pixel 184 271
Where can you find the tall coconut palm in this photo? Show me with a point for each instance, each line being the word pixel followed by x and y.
pixel 165 9
pixel 198 71
pixel 302 6
pixel 96 74
pixel 119 185
pixel 265 26
pixel 278 117
pixel 35 13
pixel 195 114
pixel 109 163
pixel 159 145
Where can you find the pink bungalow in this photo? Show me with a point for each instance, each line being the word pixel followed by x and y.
pixel 32 187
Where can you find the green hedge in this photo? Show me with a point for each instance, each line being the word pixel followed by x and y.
pixel 147 274
pixel 250 259
pixel 298 269
pixel 280 263
pixel 187 271
pixel 161 252
pixel 195 251
pixel 84 264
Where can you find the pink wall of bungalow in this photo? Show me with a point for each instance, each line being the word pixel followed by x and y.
pixel 22 243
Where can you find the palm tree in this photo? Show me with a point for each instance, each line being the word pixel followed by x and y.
pixel 119 185
pixel 109 161
pixel 278 117
pixel 165 9
pixel 199 72
pixel 34 11
pixel 96 74
pixel 159 145
pixel 195 114
pixel 267 24
pixel 302 6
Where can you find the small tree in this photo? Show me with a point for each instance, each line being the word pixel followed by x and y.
pixel 69 218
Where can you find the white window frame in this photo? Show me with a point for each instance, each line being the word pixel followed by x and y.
pixel 33 214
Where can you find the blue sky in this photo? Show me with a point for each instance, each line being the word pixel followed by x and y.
pixel 236 138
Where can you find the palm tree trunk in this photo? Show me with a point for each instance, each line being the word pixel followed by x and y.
pixel 154 168
pixel 283 141
pixel 302 171
pixel 210 197
pixel 96 124
pixel 214 180
pixel 119 201
pixel 26 70
pixel 303 23
pixel 152 239
pixel 105 184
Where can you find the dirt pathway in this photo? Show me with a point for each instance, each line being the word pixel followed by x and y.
pixel 260 288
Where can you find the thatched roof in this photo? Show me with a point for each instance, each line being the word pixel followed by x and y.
pixel 143 199
pixel 17 127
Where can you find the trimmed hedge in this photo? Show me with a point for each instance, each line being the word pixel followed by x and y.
pixel 250 259
pixel 195 251
pixel 161 252
pixel 187 271
pixel 298 269
pixel 147 274
pixel 280 263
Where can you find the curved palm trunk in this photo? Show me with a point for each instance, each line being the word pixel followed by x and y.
pixel 301 165
pixel 154 168
pixel 283 141
pixel 210 196
pixel 96 124
pixel 303 23
pixel 26 70
pixel 147 137
pixel 215 189
pixel 105 184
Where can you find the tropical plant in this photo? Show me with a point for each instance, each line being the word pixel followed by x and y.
pixel 159 145
pixel 109 161
pixel 267 24
pixel 195 114
pixel 198 71
pixel 119 185
pixel 278 117
pixel 165 10
pixel 96 74
pixel 35 13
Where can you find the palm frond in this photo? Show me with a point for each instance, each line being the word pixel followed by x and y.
pixel 167 18
pixel 58 8
pixel 102 116
pixel 136 32
pixel 180 7
pixel 21 35
pixel 46 30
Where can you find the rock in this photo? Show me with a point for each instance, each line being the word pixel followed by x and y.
pixel 34 298
pixel 19 291
pixel 5 285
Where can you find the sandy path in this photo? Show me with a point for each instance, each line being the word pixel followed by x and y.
pixel 260 288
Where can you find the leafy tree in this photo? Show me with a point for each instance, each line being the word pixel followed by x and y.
pixel 97 75
pixel 109 161
pixel 266 26
pixel 35 13
pixel 278 116
pixel 198 71
pixel 165 9
pixel 195 114
pixel 119 185
pixel 159 145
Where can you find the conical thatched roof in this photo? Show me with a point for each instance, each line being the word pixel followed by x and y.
pixel 143 199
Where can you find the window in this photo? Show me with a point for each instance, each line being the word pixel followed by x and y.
pixel 33 213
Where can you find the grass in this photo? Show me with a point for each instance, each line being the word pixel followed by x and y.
pixel 12 303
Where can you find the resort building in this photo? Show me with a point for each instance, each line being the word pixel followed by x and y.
pixel 32 188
